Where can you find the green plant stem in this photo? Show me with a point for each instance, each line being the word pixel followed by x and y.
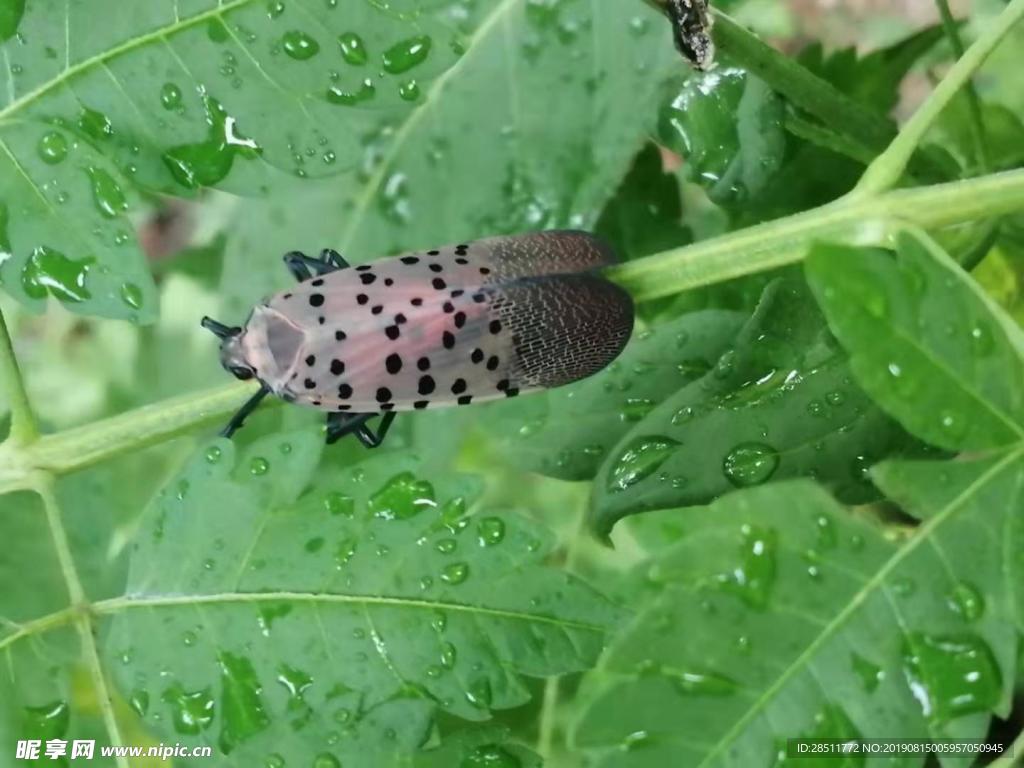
pixel 800 86
pixel 976 123
pixel 44 485
pixel 785 241
pixel 23 422
pixel 887 169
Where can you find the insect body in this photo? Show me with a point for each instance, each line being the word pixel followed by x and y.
pixel 449 326
pixel 691 29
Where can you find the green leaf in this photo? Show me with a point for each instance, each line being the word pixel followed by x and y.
pixel 195 94
pixel 337 617
pixel 779 403
pixel 784 616
pixel 728 126
pixel 925 341
pixel 568 432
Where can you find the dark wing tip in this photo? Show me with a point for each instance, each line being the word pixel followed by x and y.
pixel 549 252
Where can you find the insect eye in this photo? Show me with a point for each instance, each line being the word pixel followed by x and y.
pixel 241 372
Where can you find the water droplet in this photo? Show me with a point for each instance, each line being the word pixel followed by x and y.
pixel 750 464
pixel 275 8
pixel 639 459
pixel 205 163
pixel 170 96
pixel 337 95
pixel 50 271
pixel 95 125
pixel 683 415
pixel 490 531
pixel 326 760
pixel 139 701
pixel 448 655
pixel 446 546
pixel 951 676
pixel 53 147
pixel 870 674
pixel 191 711
pixel 242 714
pixel 46 721
pixel 827 538
pixel 406 54
pixel 953 424
pixel 353 50
pixel 636 409
pixel 982 342
pixel 402 497
pixel 394 198
pixel 314 545
pixel 478 693
pixel 815 408
pixel 259 466
pixel 637 740
pixel 274 760
pixel 903 586
pixel 967 601
pixel 106 194
pixel 344 552
pixel 340 504
pixel 835 398
pixel 693 683
pixel 213 454
pixel 299 45
pixel 752 580
pixel 409 90
pixel 490 756
pixel 189 638
pixel 131 295
pixel 455 573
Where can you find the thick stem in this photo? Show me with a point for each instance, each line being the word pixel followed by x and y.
pixel 785 241
pixel 887 169
pixel 23 422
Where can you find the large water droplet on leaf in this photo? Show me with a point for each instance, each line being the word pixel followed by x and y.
pixel 967 601
pixel 242 712
pixel 753 578
pixel 402 497
pixel 350 98
pixel 299 45
pixel 490 756
pixel 750 464
pixel 191 711
pixel 205 163
pixel 638 460
pixel 951 676
pixel 353 50
pixel 404 55
pixel 51 271
pixel 106 194
pixel 53 147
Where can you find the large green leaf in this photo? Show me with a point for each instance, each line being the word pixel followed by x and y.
pixel 568 432
pixel 782 615
pixel 272 610
pixel 925 341
pixel 778 403
pixel 399 100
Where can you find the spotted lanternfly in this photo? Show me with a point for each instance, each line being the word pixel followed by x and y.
pixel 691 29
pixel 450 326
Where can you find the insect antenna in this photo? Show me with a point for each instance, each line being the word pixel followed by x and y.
pixel 220 330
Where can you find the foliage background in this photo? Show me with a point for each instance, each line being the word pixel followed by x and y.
pixel 294 606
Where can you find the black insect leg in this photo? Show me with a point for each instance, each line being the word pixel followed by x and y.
pixel 239 418
pixel 304 267
pixel 341 424
pixel 368 438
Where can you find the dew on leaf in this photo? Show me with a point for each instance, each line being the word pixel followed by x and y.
pixel 406 54
pixel 213 454
pixel 52 147
pixel 344 552
pixel 683 415
pixel 636 409
pixel 455 573
pixel 106 194
pixel 274 760
pixel 314 545
pixel 693 683
pixel 409 90
pixel 490 756
pixel 446 546
pixel 299 45
pixel 259 466
pixel 478 693
pixel 870 675
pixel 274 9
pixel 638 460
pixel 205 163
pixel 490 531
pixel 242 712
pixel 904 586
pixel 46 721
pixel 340 504
pixel 350 98
pixel 951 676
pixel 402 498
pixel 139 701
pixel 326 760
pixel 353 50
pixel 131 295
pixel 750 464
pixel 191 711
pixel 170 96
pixel 448 655
pixel 967 601
pixel 753 578
pixel 95 124
pixel 50 271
